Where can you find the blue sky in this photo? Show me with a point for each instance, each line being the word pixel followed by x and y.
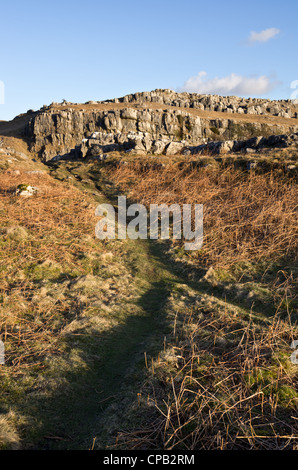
pixel 94 50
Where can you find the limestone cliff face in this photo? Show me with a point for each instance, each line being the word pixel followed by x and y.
pixel 58 130
pixel 228 104
pixel 55 133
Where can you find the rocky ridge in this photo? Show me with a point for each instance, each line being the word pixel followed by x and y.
pixel 177 121
pixel 228 104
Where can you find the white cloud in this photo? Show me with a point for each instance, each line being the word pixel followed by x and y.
pixel 263 36
pixel 230 85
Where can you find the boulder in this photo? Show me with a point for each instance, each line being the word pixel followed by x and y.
pixel 174 147
pixel 26 190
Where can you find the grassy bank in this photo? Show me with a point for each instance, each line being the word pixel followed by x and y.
pixel 137 343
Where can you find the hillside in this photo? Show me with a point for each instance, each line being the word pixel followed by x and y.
pixel 160 122
pixel 140 344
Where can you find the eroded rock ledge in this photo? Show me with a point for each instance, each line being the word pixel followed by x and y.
pixel 175 121
pixel 228 104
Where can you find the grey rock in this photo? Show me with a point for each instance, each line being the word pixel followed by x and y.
pixel 174 147
pixel 70 131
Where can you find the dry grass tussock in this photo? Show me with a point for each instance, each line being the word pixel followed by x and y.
pixel 8 435
pixel 46 241
pixel 225 379
pixel 246 216
pixel 44 238
pixel 222 382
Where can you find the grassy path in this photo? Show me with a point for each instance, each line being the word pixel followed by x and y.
pixel 114 361
pixel 133 304
pixel 112 347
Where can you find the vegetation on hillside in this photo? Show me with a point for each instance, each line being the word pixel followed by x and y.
pixel 138 344
pixel 225 380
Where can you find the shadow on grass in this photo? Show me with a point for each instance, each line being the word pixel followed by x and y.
pixel 108 372
pixel 111 364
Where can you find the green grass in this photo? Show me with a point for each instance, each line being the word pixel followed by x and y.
pixel 132 321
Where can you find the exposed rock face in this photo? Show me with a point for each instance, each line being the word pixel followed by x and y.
pixel 228 104
pixel 249 146
pixel 136 144
pixel 153 130
pixel 147 131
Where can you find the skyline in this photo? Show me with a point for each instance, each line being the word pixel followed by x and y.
pixel 96 51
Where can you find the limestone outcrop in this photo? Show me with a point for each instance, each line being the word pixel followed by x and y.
pixel 93 147
pixel 249 146
pixel 154 131
pixel 227 104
